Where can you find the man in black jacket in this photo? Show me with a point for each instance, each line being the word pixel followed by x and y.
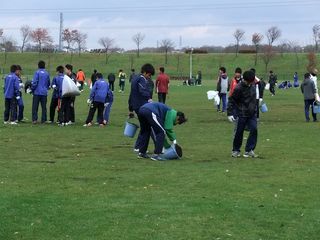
pixel 243 101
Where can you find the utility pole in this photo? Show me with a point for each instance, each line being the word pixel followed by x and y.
pixel 60 32
pixel 191 51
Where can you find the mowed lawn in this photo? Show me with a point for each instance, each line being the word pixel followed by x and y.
pixel 86 183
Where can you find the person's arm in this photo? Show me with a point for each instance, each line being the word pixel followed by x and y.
pixel 17 88
pixel 232 100
pixel 34 82
pixel 156 86
pixel 93 91
pixel 48 81
pixel 301 87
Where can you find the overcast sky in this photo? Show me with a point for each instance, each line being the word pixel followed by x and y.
pixel 201 22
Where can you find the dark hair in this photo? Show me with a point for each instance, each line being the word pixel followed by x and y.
pixel 13 68
pixel 147 68
pixel 306 75
pixel 161 69
pixel 19 67
pixel 271 72
pixel 132 70
pixel 253 70
pixel 95 70
pixel 80 69
pixel 69 67
pixel 238 70
pixel 223 69
pixel 60 69
pixel 120 70
pixel 249 76
pixel 99 75
pixel 181 118
pixel 41 64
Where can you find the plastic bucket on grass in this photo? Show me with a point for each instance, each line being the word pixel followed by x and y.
pixel 130 129
pixel 316 108
pixel 263 108
pixel 174 152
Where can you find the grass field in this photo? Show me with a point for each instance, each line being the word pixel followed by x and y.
pixel 86 183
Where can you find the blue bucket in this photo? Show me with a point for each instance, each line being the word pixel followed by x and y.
pixel 130 129
pixel 316 108
pixel 174 152
pixel 263 108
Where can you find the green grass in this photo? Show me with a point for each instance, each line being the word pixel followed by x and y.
pixel 86 183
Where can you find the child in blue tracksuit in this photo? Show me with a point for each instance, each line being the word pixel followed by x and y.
pixel 108 105
pixel 20 104
pixel 97 100
pixel 160 119
pixel 56 85
pixel 40 86
pixel 12 95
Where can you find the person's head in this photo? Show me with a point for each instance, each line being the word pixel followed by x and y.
pixel 80 70
pixel 60 69
pixel 181 118
pixel 120 71
pixel 161 69
pixel 314 72
pixel 249 76
pixel 41 64
pixel 99 76
pixel 222 70
pixel 238 72
pixel 69 69
pixel 296 73
pixel 19 69
pixel 271 72
pixel 95 70
pixel 307 76
pixel 253 70
pixel 133 70
pixel 13 68
pixel 199 72
pixel 147 70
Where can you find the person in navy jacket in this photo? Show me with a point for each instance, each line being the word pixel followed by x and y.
pixel 140 94
pixel 97 100
pixel 56 85
pixel 40 86
pixel 12 95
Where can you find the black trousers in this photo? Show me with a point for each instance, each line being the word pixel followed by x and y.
pixel 272 89
pixel 149 123
pixel 10 109
pixel 121 85
pixel 111 85
pixel 72 112
pixel 38 99
pixel 53 105
pixel 64 112
pixel 162 97
pixel 93 107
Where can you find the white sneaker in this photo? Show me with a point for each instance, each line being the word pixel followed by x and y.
pixel 5 122
pixel 250 154
pixel 87 125
pixel 13 123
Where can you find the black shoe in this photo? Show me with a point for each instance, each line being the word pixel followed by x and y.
pixel 143 155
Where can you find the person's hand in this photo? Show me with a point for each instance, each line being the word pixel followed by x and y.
pixel 21 85
pixel 175 141
pixel 89 101
pixel 106 104
pixel 260 100
pixel 231 118
pixel 131 115
pixel 17 97
pixel 29 91
pixel 150 101
pixel 54 86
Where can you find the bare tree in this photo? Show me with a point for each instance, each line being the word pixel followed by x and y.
pixel 138 39
pixel 312 62
pixel 166 45
pixel 239 36
pixel 41 37
pixel 295 48
pixel 25 31
pixel 68 36
pixel 80 39
pixel 1 32
pixel 316 36
pixel 256 40
pixel 8 45
pixel 267 56
pixel 273 34
pixel 107 44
